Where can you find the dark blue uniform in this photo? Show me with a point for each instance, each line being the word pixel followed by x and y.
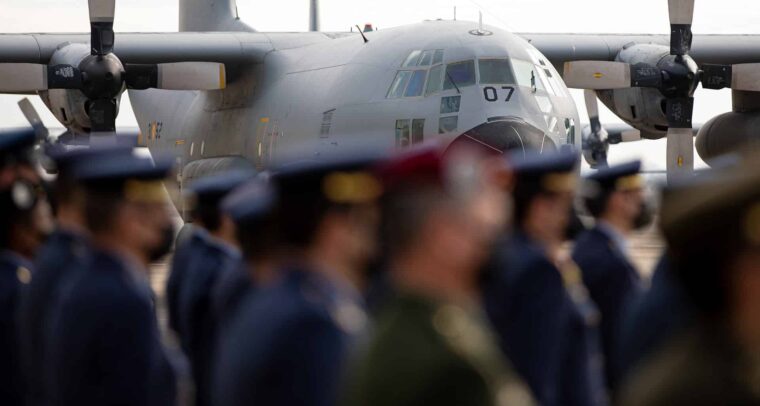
pixel 196 316
pixel 288 344
pixel 545 325
pixel 15 271
pixel 232 286
pixel 613 283
pixel 63 253
pixel 655 317
pixel 104 341
pixel 183 254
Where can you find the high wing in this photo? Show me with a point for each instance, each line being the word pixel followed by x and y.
pixel 707 49
pixel 224 47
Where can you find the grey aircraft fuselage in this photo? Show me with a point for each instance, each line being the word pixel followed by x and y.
pixel 316 95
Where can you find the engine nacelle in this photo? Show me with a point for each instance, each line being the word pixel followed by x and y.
pixel 728 133
pixel 69 106
pixel 641 108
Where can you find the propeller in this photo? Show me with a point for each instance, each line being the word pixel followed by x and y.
pixel 595 144
pixel 597 139
pixel 676 77
pixel 102 77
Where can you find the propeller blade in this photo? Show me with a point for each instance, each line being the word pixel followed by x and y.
pixel 681 14
pixel 680 149
pixel 746 77
pixel 23 77
pixel 597 75
pixel 177 76
pixel 592 107
pixel 102 114
pixel 101 26
pixel 34 118
pixel 680 159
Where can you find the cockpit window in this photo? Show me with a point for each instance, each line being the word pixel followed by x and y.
pixel 495 72
pixel 423 58
pixel 427 58
pixel 438 57
pixel 525 75
pixel 399 84
pixel 435 80
pixel 459 75
pixel 412 59
pixel 416 84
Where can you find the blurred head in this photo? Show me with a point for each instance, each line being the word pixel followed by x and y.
pixel 616 194
pixel 250 207
pixel 26 216
pixel 441 216
pixel 328 213
pixel 126 206
pixel 67 192
pixel 544 194
pixel 205 198
pixel 132 214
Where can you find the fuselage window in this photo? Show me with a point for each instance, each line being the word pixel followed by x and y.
pixel 418 130
pixel 459 75
pixel 412 59
pixel 402 133
pixel 416 84
pixel 434 80
pixel 324 130
pixel 448 124
pixel 495 72
pixel 450 104
pixel 399 84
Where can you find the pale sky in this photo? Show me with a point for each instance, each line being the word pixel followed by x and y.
pixel 587 16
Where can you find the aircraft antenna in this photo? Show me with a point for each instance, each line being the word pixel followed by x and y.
pixel 364 37
pixel 314 15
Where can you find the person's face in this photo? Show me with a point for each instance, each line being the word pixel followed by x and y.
pixel 149 228
pixel 554 213
pixel 361 233
pixel 630 203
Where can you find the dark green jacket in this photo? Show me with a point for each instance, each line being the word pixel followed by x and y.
pixel 428 353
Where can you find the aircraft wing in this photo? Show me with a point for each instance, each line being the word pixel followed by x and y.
pixel 712 49
pixel 224 47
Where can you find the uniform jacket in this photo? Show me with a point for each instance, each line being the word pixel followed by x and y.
pixel 657 316
pixel 545 325
pixel 183 255
pixel 104 341
pixel 613 283
pixel 15 271
pixel 427 352
pixel 232 286
pixel 61 255
pixel 288 343
pixel 197 324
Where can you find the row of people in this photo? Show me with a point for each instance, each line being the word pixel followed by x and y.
pixel 420 278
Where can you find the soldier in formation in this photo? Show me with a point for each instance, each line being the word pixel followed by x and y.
pixel 485 299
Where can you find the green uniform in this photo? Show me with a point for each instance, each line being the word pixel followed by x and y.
pixel 432 353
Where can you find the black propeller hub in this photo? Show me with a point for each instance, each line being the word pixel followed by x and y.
pixel 680 76
pixel 103 76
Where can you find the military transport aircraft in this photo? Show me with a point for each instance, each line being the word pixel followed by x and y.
pixel 218 94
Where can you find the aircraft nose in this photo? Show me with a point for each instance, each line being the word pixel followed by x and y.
pixel 501 135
